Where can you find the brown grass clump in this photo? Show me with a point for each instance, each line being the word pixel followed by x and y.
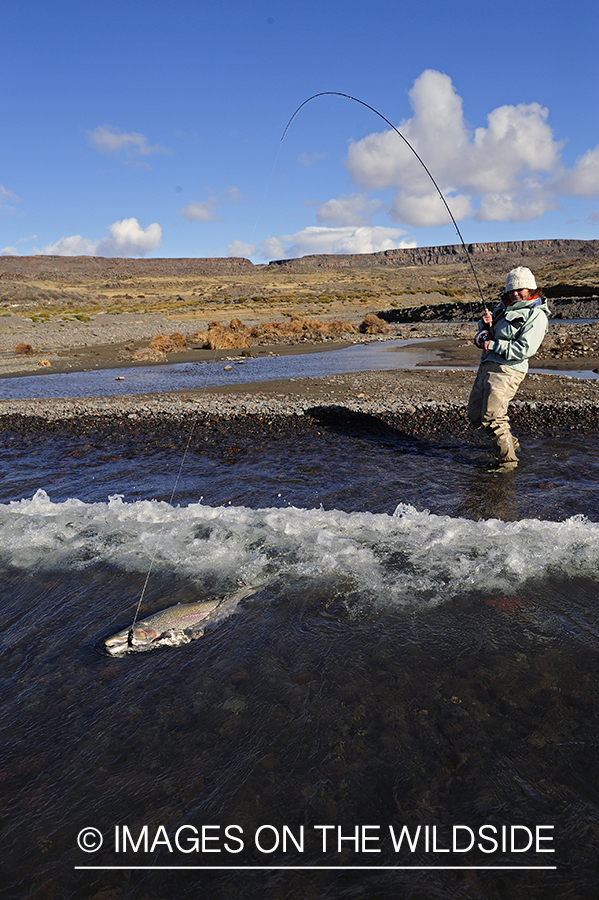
pixel 45 362
pixel 373 325
pixel 224 337
pixel 178 341
pixel 162 344
pixel 237 336
pixel 343 326
pixel 302 328
pixel 150 355
pixel 24 348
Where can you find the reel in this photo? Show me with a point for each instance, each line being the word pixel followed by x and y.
pixel 481 337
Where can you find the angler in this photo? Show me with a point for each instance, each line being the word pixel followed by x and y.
pixel 509 336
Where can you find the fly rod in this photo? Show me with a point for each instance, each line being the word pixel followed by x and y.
pixel 416 154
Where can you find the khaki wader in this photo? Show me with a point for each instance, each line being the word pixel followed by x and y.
pixel 494 387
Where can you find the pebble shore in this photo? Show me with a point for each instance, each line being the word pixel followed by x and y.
pixel 419 402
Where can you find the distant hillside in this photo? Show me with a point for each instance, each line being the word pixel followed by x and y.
pixel 567 270
pixel 78 268
pixel 504 254
pixel 492 257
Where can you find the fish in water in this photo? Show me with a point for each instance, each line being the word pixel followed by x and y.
pixel 171 627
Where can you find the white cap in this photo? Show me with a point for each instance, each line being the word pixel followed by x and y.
pixel 518 278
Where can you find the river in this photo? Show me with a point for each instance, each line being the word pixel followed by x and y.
pixel 421 654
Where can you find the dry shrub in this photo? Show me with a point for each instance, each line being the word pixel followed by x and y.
pixel 238 327
pixel 162 344
pixel 236 335
pixel 302 327
pixel 342 326
pixel 178 341
pixel 150 355
pixel 224 337
pixel 373 325
pixel 44 362
pixel 24 348
pixel 270 330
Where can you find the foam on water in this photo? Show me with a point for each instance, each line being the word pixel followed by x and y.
pixel 410 557
pixel 395 665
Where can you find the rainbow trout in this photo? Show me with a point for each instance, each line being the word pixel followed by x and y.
pixel 171 627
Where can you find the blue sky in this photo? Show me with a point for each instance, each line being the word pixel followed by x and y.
pixel 154 128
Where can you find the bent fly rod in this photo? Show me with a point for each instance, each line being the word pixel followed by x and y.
pixel 416 154
pixel 449 212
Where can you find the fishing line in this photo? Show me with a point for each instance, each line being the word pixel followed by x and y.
pixel 449 212
pixel 190 436
pixel 416 154
pixel 145 584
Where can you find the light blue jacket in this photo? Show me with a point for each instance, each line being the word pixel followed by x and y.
pixel 517 332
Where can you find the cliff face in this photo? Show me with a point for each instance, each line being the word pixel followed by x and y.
pixel 64 268
pixel 505 252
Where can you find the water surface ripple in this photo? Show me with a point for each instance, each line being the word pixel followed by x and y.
pixel 422 650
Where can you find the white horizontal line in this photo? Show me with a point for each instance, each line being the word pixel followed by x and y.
pixel 311 868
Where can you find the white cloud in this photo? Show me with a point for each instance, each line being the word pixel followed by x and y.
pixel 200 212
pixel 353 210
pixel 308 159
pixel 509 169
pixel 519 206
pixel 241 248
pixel 12 251
pixel 125 238
pixel 583 179
pixel 114 141
pixel 428 209
pixel 4 192
pixel 235 196
pixel 272 248
pixel 318 239
pixel 205 211
pixel 5 195
pixel 517 142
pixel 75 245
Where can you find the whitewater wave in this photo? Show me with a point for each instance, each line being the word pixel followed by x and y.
pixel 408 557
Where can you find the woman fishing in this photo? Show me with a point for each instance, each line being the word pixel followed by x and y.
pixel 508 337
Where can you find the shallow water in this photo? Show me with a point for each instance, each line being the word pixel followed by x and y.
pixel 194 376
pixel 422 650
pixel 377 356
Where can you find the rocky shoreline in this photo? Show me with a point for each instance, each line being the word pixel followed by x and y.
pixel 419 403
pixel 583 306
pixel 416 401
pixel 109 341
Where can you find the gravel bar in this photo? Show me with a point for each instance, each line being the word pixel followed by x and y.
pixel 420 402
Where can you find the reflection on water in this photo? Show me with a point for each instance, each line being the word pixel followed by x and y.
pixel 422 651
pixel 375 356
pixel 193 376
